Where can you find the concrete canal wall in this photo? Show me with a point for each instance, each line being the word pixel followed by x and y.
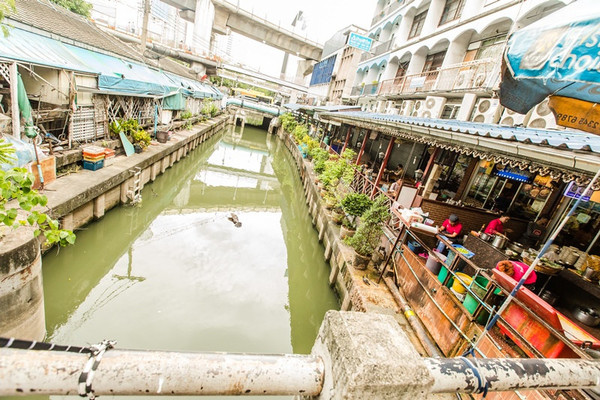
pixel 76 200
pixel 357 290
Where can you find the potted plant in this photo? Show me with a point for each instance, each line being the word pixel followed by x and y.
pixel 354 205
pixel 368 235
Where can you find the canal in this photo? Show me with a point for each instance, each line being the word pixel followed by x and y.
pixel 174 273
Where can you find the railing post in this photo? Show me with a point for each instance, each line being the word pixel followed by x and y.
pixel 362 147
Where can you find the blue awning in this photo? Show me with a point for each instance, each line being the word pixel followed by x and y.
pixel 115 75
pixel 572 140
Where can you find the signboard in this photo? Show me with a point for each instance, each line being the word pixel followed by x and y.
pixel 360 42
pixel 417 82
pixel 575 113
pixel 516 175
pixel 573 191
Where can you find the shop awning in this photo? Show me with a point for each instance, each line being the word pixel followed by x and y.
pixel 557 56
pixel 115 75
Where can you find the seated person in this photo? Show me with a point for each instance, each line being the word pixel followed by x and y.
pixel 394 189
pixel 516 270
pixel 451 228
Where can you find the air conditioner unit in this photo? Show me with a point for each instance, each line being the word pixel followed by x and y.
pixel 542 117
pixel 464 79
pixel 480 79
pixel 433 107
pixel 418 108
pixel 390 107
pixel 487 111
pixel 407 107
pixel 512 118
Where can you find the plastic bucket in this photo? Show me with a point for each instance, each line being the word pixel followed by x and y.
pixel 433 264
pixel 458 286
pixel 443 274
pixel 478 286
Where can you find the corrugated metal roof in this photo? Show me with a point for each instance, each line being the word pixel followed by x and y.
pixel 563 139
pixel 52 18
pixel 335 108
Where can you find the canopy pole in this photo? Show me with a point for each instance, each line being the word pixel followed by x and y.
pixel 535 262
pixel 14 100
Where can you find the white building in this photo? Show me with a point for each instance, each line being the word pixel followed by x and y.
pixel 332 77
pixel 442 59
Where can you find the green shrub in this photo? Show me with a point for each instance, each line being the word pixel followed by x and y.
pixel 356 204
pixel 367 236
pixel 141 137
pixel 186 114
pixel 288 122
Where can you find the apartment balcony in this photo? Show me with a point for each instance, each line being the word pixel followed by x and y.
pixel 474 75
pixel 396 4
pixel 365 90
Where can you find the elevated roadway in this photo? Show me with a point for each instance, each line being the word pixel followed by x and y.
pixel 231 16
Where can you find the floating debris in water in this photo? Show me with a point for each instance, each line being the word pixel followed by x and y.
pixel 236 221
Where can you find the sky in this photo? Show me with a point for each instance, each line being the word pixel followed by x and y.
pixel 322 18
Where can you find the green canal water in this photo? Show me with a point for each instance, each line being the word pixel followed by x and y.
pixel 176 274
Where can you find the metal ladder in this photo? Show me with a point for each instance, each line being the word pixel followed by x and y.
pixel 135 193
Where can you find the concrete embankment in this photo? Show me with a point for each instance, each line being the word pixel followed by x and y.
pixel 77 199
pixel 358 290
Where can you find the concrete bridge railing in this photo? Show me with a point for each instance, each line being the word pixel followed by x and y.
pixel 356 356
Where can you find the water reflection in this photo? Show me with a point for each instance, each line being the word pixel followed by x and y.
pixel 175 274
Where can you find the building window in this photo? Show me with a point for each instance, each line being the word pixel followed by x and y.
pixel 452 11
pixel 417 25
pixel 434 61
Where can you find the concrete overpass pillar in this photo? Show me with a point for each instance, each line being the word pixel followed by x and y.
pixel 203 24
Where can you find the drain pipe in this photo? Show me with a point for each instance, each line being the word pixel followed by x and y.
pixel 413 320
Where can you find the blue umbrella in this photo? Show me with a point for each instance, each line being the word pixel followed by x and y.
pixel 558 55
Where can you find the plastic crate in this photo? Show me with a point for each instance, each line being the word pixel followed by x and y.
pixel 109 153
pixel 93 166
pixel 93 151
pixel 93 159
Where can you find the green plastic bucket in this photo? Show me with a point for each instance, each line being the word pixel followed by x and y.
pixel 478 286
pixel 443 274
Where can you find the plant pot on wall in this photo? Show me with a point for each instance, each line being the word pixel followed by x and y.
pixel 360 262
pixel 346 232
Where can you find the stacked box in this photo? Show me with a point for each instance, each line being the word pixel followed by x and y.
pixel 93 158
pixel 93 166
pixel 109 157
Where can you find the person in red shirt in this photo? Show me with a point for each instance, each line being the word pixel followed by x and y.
pixel 497 225
pixel 451 228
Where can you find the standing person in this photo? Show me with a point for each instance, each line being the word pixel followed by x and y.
pixel 496 226
pixel 535 231
pixel 451 228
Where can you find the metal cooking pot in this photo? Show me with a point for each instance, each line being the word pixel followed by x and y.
pixel 516 247
pixel 587 315
pixel 548 297
pixel 590 274
pixel 484 236
pixel 499 241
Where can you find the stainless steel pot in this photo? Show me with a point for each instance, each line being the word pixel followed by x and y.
pixel 499 241
pixel 516 247
pixel 590 274
pixel 484 236
pixel 587 315
pixel 548 297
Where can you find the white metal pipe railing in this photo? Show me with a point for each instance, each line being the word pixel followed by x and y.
pixel 469 375
pixel 129 372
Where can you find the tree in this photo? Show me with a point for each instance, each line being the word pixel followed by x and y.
pixel 16 185
pixel 80 7
pixel 6 6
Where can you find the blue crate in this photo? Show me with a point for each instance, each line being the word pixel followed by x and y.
pixel 93 166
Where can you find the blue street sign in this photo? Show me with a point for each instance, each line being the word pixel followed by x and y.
pixel 359 41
